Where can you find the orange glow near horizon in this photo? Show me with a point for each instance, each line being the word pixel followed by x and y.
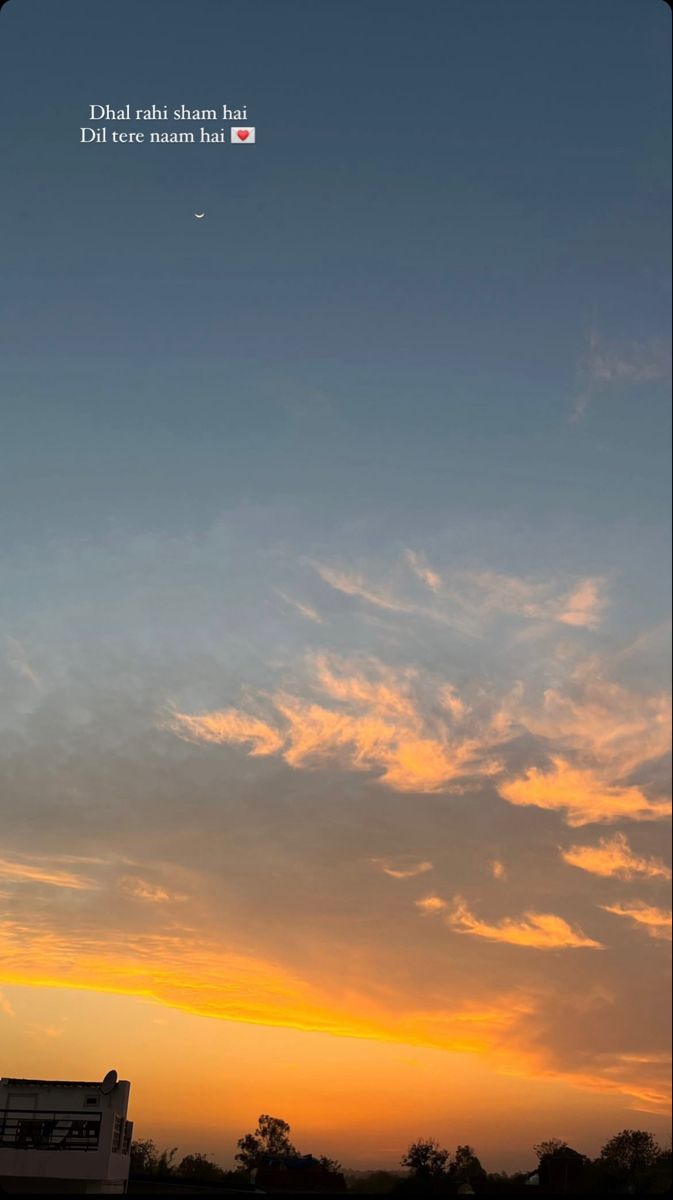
pixel 202 1083
pixel 207 982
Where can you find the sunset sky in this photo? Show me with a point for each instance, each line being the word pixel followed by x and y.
pixel 334 570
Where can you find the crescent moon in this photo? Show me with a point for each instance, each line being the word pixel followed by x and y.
pixel 199 216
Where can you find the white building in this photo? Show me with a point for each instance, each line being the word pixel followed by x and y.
pixel 58 1136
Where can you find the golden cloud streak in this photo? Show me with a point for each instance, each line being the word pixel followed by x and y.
pixel 480 595
pixel 582 795
pixel 537 931
pixel 611 728
pixel 229 726
pixel 431 904
pixel 373 721
pixel 656 921
pixel 22 872
pixel 613 857
pixel 411 871
pixel 208 980
pixel 373 725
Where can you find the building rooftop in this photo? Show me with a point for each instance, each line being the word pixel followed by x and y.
pixel 8 1081
pixel 51 1083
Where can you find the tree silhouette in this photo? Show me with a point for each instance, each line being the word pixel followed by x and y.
pixel 629 1153
pixel 271 1138
pixel 147 1160
pixel 551 1146
pixel 560 1168
pixel 426 1159
pixel 144 1157
pixel 165 1165
pixel 199 1168
pixel 466 1168
pixel 330 1165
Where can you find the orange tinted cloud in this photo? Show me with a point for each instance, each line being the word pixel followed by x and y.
pixel 648 1092
pixel 584 605
pixel 423 572
pixel 385 693
pixel 30 872
pixel 229 726
pixel 204 977
pixel 211 980
pixel 451 701
pixel 153 893
pixel 582 795
pixel 614 857
pixel 368 717
pixel 390 746
pixel 610 364
pixel 17 660
pixel 397 870
pixel 537 600
pixel 354 585
pixel 431 904
pixel 304 609
pixel 608 725
pixel 539 931
pixel 475 596
pixel 372 724
pixel 6 1007
pixel 657 921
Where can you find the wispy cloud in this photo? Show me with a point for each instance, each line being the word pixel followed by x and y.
pixel 228 725
pixel 17 659
pixel 352 584
pixel 613 857
pixel 610 364
pixel 645 1082
pixel 471 600
pixel 538 931
pixel 611 727
pixel 5 1006
pixel 581 795
pixel 498 869
pixel 584 605
pixel 32 872
pixel 423 572
pixel 490 593
pixel 451 701
pixel 598 733
pixel 208 979
pixel 431 904
pixel 655 921
pixel 203 974
pixel 372 723
pixel 305 610
pixel 416 733
pixel 401 868
pixel 47 1033
pixel 152 893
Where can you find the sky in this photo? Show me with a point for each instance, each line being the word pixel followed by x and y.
pixel 334 570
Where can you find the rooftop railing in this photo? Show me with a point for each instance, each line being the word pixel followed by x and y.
pixel 29 1130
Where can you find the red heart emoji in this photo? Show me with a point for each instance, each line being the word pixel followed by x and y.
pixel 242 134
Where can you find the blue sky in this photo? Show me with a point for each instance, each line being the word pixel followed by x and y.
pixel 335 537
pixel 395 285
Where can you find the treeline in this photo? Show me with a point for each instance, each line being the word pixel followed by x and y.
pixel 267 1149
pixel 629 1163
pixel 150 1162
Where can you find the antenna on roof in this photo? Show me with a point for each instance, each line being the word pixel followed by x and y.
pixel 109 1082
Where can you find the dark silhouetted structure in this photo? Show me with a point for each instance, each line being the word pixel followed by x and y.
pixel 296 1173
